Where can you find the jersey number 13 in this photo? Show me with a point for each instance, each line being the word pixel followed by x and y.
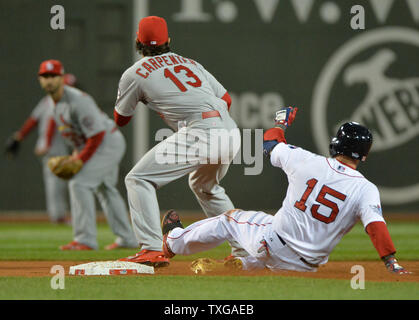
pixel 194 80
pixel 301 204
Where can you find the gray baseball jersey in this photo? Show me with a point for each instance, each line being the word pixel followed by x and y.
pixel 171 85
pixel 78 117
pixel 43 111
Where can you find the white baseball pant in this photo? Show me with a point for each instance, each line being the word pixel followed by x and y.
pixel 251 229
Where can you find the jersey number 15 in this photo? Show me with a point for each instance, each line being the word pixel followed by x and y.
pixel 301 204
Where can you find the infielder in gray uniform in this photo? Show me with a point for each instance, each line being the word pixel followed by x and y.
pixel 100 146
pixel 195 105
pixel 48 144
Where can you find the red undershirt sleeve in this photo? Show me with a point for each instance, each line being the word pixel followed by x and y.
pixel 29 124
pixel 227 98
pixel 50 132
pixel 380 238
pixel 121 120
pixel 91 146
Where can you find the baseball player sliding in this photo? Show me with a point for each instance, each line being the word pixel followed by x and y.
pixel 48 144
pixel 98 148
pixel 324 200
pixel 192 102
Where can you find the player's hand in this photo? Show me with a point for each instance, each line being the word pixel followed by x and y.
pixel 71 160
pixel 393 266
pixel 12 146
pixel 285 117
pixel 41 151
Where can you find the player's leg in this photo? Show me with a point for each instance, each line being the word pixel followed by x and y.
pixel 116 212
pixel 245 227
pixel 142 182
pixel 83 211
pixel 105 169
pixel 164 163
pixel 56 194
pixel 205 184
pixel 83 187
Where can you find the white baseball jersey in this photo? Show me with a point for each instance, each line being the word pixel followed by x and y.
pixel 43 111
pixel 78 117
pixel 172 85
pixel 325 199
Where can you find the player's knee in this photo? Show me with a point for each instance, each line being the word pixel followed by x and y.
pixel 199 187
pixel 194 185
pixel 129 180
pixel 74 185
pixel 133 180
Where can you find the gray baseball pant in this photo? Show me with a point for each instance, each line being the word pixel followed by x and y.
pixel 150 174
pixel 99 177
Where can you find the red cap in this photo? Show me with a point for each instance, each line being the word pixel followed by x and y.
pixel 152 31
pixel 51 67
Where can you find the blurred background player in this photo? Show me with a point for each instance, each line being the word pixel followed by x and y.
pixel 99 145
pixel 326 197
pixel 48 144
pixel 193 103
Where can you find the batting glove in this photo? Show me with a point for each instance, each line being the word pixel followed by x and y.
pixel 285 117
pixel 393 266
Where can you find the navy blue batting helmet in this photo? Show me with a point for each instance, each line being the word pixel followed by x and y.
pixel 352 140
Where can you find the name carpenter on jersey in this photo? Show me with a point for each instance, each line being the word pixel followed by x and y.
pixel 213 309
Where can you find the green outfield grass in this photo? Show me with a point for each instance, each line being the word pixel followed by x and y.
pixel 40 241
pixel 198 288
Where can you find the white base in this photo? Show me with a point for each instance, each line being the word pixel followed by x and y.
pixel 107 268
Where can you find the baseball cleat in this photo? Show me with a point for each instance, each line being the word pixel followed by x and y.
pixel 149 257
pixel 74 245
pixel 170 221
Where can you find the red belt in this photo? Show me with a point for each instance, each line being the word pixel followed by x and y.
pixel 210 114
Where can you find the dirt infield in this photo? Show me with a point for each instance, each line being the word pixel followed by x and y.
pixel 374 270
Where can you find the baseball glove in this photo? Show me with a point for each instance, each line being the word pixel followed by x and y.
pixel 64 167
pixel 205 265
pixel 12 147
